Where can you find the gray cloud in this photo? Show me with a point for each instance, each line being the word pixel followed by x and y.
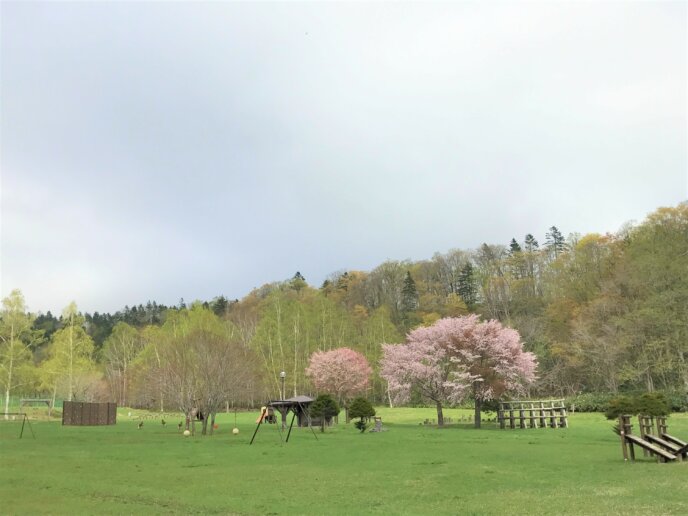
pixel 154 151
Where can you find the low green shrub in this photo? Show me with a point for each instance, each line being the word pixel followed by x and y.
pixel 599 401
pixel 620 405
pixel 678 400
pixel 653 404
pixel 589 401
pixel 648 404
pixel 324 407
pixel 361 424
pixel 361 408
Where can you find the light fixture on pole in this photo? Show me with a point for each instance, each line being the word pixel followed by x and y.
pixel 283 375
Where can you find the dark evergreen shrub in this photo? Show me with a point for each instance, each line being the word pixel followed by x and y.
pixel 621 405
pixel 361 407
pixel 324 407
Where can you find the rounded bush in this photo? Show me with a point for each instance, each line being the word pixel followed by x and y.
pixel 361 407
pixel 647 404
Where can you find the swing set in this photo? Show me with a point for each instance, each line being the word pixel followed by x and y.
pixel 25 419
pixel 298 406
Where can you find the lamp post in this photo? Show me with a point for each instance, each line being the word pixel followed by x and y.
pixel 283 375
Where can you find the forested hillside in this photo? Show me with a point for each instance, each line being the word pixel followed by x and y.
pixel 603 313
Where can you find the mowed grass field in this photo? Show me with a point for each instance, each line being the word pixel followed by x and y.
pixel 408 469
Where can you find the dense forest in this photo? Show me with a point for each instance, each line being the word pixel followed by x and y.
pixel 602 313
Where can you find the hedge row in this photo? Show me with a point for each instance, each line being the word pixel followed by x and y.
pixel 599 402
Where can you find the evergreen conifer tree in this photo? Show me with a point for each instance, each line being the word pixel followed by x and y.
pixel 531 244
pixel 409 294
pixel 343 282
pixel 514 247
pixel 219 305
pixel 555 242
pixel 297 282
pixel 324 408
pixel 467 288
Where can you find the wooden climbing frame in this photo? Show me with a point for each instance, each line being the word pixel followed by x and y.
pixel 532 414
pixel 664 447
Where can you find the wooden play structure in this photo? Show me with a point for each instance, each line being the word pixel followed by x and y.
pixel 665 447
pixel 532 414
pixel 267 415
pixel 298 406
pixel 77 413
pixel 24 420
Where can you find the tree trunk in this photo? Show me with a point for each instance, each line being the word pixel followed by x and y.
pixel 71 359
pixel 7 402
pixel 9 385
pixel 160 381
pixel 204 426
pixel 212 423
pixel 440 415
pixel 124 387
pixel 650 383
pixel 9 373
pixel 52 405
pixel 478 409
pixel 322 425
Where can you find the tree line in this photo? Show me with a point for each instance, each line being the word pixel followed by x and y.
pixel 602 313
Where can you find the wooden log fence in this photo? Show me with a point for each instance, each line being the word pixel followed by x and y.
pixel 532 414
pixel 646 426
pixel 77 413
pixel 664 447
pixel 661 425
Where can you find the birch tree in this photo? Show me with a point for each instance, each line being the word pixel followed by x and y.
pixel 71 350
pixel 15 341
pixel 203 363
pixel 119 351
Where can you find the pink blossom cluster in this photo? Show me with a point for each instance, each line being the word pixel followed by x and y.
pixel 457 356
pixel 342 372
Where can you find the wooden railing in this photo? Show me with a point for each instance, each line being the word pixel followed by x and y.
pixel 532 414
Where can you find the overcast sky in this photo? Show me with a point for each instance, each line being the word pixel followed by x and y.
pixel 153 151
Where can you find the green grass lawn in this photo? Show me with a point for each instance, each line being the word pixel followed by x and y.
pixel 408 469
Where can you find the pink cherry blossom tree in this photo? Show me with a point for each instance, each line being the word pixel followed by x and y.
pixel 457 357
pixel 425 367
pixel 342 372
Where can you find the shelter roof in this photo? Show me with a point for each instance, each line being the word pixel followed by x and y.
pixel 301 399
pixel 296 400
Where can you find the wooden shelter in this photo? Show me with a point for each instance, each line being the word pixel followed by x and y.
pixel 299 407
